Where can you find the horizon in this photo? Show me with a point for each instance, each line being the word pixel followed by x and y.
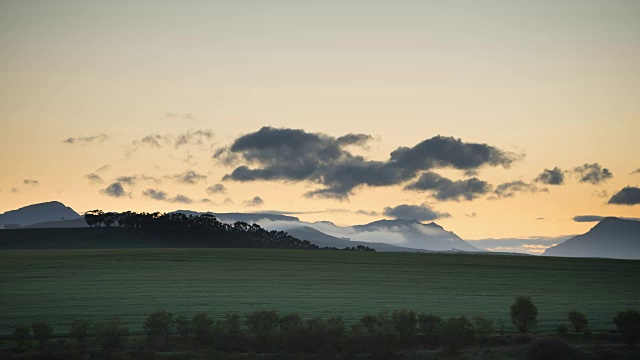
pixel 496 121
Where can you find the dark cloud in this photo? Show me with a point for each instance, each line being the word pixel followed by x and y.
pixel 197 137
pixel 85 140
pixel 134 179
pixel 295 155
pixel 114 190
pixel 627 196
pixel 155 194
pixel 256 201
pixel 554 176
pixel 636 171
pixel 103 168
pixel 367 212
pixel 15 190
pixel 161 195
pixel 216 189
pixel 595 218
pixel 189 177
pixel 540 218
pixel 414 212
pixel 181 199
pixel 592 173
pixel 445 189
pixel 31 182
pixel 471 215
pixel 154 140
pixel 509 189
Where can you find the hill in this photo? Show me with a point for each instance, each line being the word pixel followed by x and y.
pixel 37 213
pixel 610 238
pixel 78 238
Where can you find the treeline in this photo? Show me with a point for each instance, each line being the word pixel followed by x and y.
pixel 382 335
pixel 177 229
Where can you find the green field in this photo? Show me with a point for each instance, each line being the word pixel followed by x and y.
pixel 58 286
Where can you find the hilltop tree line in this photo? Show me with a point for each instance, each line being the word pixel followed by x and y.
pixel 180 230
pixel 381 335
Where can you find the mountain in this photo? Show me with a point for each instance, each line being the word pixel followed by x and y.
pixel 37 213
pixel 60 224
pixel 610 238
pixel 321 239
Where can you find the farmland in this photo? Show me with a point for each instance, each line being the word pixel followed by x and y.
pixel 61 285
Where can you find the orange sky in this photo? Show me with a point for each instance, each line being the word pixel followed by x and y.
pixel 558 83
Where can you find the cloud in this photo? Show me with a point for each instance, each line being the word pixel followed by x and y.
pixel 157 141
pixel 160 195
pixel 587 218
pixel 216 189
pixel 256 201
pixel 530 245
pixel 94 178
pixel 103 168
pixel 197 137
pixel 133 179
pixel 188 177
pixel 509 189
pixel 31 182
pixel 114 190
pixel 627 196
pixel 471 215
pixel 636 171
pixel 85 140
pixel 172 115
pixel 414 212
pixel 367 212
pixel 282 154
pixel 592 173
pixel 155 194
pixel 601 193
pixel 596 218
pixel 554 176
pixel 445 189
pixel 15 190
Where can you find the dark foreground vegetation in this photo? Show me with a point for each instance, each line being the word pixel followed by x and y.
pixel 179 230
pixel 266 334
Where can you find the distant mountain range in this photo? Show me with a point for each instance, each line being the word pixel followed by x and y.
pixel 611 238
pixel 37 213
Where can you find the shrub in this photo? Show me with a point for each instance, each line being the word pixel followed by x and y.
pixel 562 330
pixel 157 327
pixel 550 349
pixel 456 333
pixel 381 342
pixel 111 334
pixel 291 331
pixel 263 329
pixel 524 314
pixel 183 326
pixel 228 334
pixel 20 334
pixel 42 332
pixel 323 335
pixel 201 326
pixel 628 324
pixel 578 320
pixel 404 323
pixel 80 330
pixel 430 326
pixel 483 326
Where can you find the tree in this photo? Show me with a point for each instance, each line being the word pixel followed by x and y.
pixel 42 332
pixel 20 334
pixel 80 330
pixel 263 326
pixel 628 324
pixel 111 334
pixel 578 320
pixel 201 326
pixel 158 326
pixel 524 314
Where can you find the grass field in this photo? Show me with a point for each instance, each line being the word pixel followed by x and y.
pixel 58 286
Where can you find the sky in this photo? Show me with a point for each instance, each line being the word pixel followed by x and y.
pixel 495 119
